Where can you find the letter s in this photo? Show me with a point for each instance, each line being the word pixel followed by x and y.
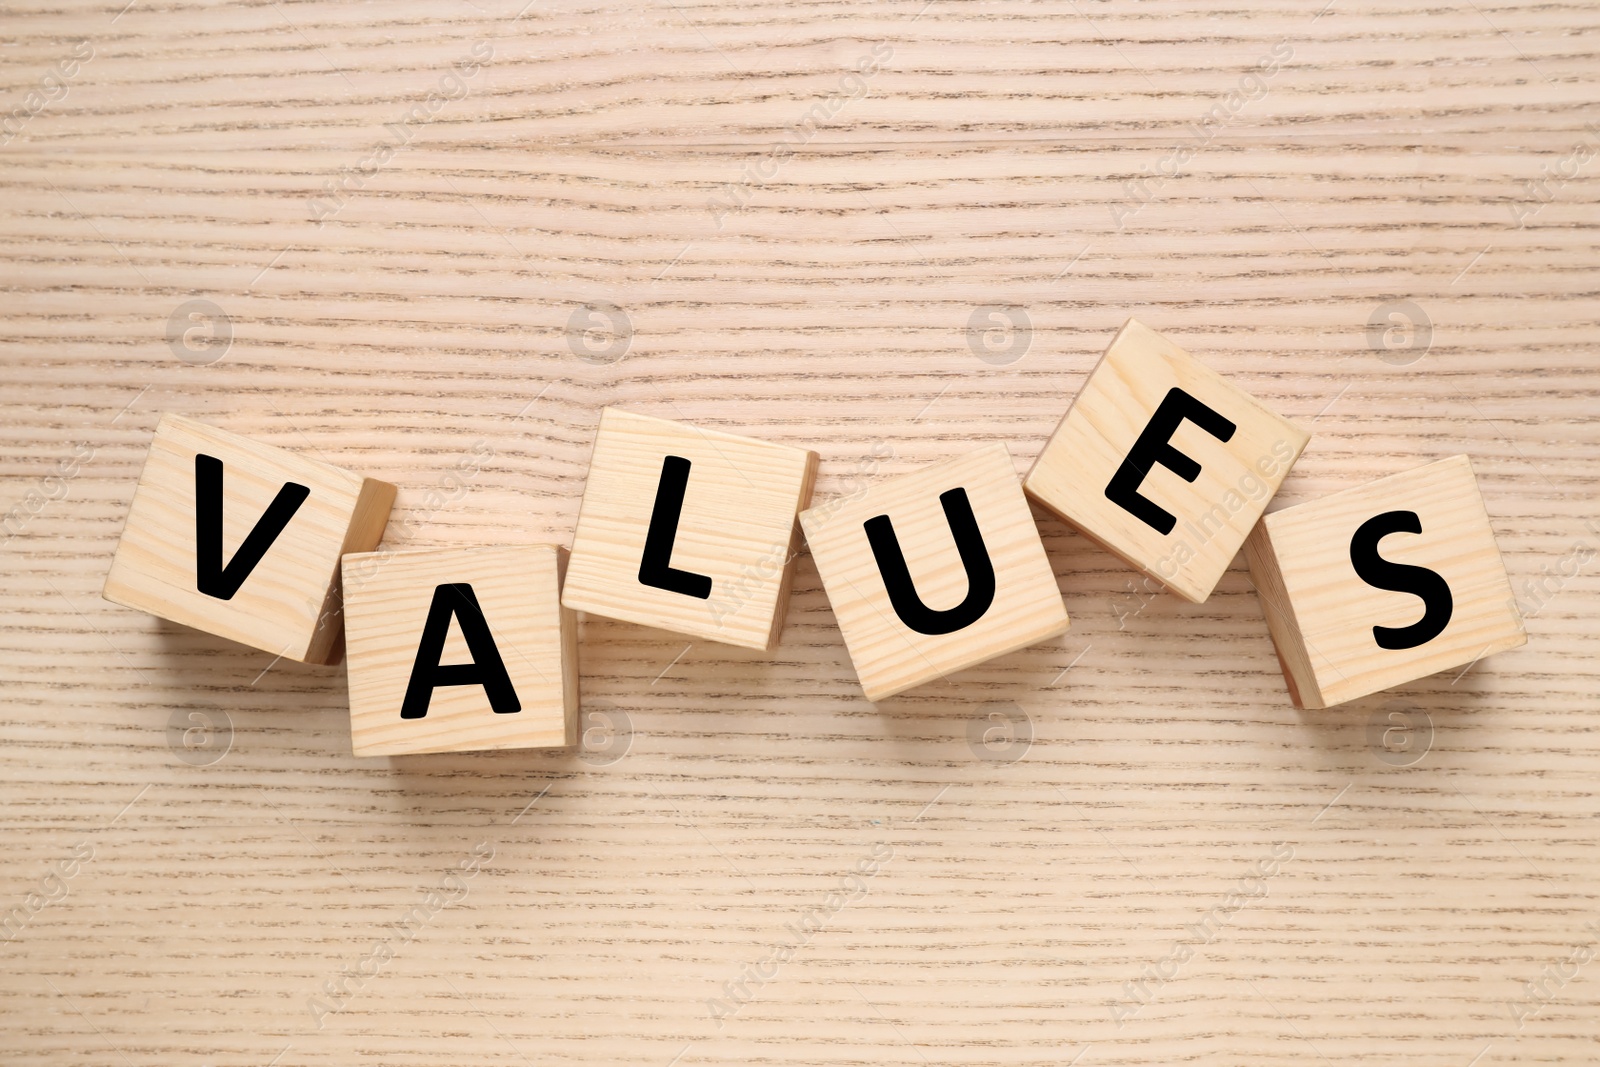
pixel 1376 571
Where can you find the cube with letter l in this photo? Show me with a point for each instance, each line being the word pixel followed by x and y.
pixel 689 529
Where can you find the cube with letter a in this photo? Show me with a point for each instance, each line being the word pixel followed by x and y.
pixel 460 649
pixel 934 571
pixel 242 539
pixel 688 529
pixel 1382 584
pixel 1164 462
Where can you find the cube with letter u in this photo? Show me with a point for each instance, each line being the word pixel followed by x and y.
pixel 934 571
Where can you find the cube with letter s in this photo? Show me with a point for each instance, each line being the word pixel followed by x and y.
pixel 1383 583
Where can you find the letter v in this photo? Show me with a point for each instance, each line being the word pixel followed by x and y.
pixel 211 577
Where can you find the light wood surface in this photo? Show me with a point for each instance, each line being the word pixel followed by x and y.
pixel 1014 603
pixel 516 592
pixel 1322 610
pixel 1236 459
pixel 1038 833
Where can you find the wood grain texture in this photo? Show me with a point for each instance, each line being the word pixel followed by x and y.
pixel 242 861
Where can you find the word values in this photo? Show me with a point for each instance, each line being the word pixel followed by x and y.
pixel 1159 459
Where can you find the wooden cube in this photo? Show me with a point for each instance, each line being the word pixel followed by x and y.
pixel 688 529
pixel 934 571
pixel 1384 583
pixel 243 540
pixel 1164 462
pixel 460 649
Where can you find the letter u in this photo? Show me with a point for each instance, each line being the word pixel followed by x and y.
pixel 897 577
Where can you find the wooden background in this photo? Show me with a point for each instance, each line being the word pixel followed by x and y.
pixel 1054 822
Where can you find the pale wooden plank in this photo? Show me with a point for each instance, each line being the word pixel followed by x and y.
pixel 406 338
pixel 314 74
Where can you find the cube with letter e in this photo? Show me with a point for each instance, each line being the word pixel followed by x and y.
pixel 1383 583
pixel 1164 462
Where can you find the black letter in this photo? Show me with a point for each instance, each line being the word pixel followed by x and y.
pixel 1373 569
pixel 655 568
pixel 897 578
pixel 1152 448
pixel 211 577
pixel 486 669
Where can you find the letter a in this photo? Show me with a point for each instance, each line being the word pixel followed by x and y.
pixel 486 669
